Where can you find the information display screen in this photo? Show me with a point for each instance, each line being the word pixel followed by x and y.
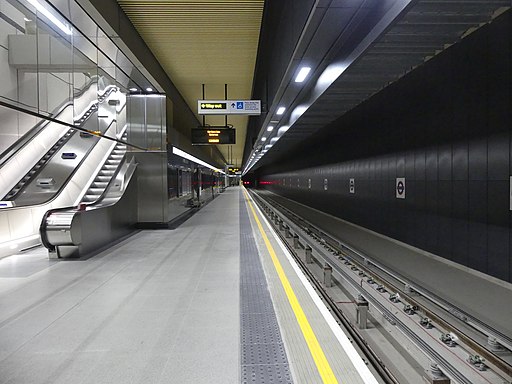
pixel 212 135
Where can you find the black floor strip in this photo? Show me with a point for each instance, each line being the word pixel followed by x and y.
pixel 263 359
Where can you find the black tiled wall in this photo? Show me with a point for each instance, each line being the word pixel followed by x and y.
pixel 445 127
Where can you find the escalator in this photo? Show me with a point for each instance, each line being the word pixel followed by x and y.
pixel 77 168
pixel 106 173
pixel 48 175
pixel 80 231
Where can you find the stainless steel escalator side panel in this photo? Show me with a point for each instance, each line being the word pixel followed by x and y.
pixel 58 169
pixel 86 231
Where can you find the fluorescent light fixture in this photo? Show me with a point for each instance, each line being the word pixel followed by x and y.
pixel 59 24
pixel 187 156
pixel 280 110
pixel 274 140
pixel 149 89
pixel 303 73
pixel 133 89
pixel 270 128
pixel 263 139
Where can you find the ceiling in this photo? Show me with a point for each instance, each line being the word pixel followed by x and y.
pixel 377 43
pixel 210 42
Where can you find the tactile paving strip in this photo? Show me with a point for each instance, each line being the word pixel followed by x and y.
pixel 264 358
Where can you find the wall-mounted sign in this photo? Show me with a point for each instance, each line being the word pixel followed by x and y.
pixel 351 186
pixel 511 193
pixel 213 135
pixel 325 184
pixel 400 187
pixel 229 107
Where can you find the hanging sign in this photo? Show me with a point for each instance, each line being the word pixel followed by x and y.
pixel 229 107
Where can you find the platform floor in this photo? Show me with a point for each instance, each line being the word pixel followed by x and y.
pixel 171 306
pixel 480 295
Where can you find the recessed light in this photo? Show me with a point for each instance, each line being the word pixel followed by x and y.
pixel 263 139
pixel 133 89
pixel 280 110
pixel 270 128
pixel 303 73
pixel 149 89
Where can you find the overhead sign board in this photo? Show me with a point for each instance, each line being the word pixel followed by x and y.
pixel 213 135
pixel 229 107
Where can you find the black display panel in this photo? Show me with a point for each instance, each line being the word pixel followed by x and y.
pixel 211 135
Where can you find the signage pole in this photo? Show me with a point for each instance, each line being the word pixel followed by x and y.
pixel 204 117
pixel 225 98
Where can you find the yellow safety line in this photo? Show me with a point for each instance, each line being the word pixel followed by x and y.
pixel 324 369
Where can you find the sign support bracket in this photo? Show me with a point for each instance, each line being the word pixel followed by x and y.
pixel 204 117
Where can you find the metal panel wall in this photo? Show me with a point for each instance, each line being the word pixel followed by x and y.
pixel 445 127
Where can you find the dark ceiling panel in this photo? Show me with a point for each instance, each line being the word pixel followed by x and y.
pixel 424 30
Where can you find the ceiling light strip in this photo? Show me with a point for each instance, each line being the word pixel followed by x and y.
pixel 194 159
pixel 59 24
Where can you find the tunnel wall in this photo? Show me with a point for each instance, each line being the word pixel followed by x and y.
pixel 445 127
